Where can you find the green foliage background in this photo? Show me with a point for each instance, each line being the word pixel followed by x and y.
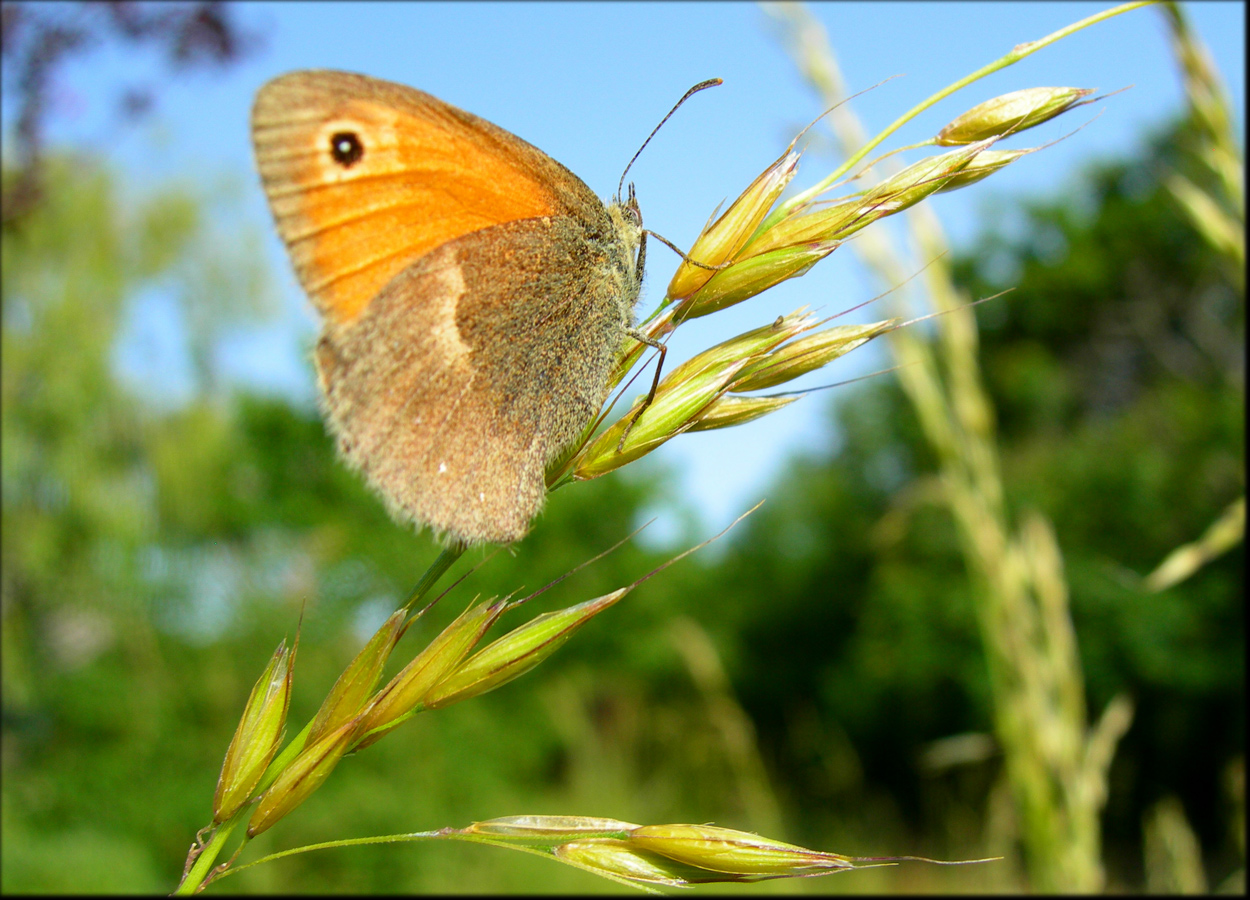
pixel 154 556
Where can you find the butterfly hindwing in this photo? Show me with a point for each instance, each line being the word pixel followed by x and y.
pixel 473 408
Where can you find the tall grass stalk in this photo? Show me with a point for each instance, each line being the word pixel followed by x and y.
pixel 734 726
pixel 1218 213
pixel 1055 762
pixel 1173 856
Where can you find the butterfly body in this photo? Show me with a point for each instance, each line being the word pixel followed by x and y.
pixel 474 293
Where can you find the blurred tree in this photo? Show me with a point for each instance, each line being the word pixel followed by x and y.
pixel 36 39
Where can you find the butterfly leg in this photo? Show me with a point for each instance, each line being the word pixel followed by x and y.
pixel 655 383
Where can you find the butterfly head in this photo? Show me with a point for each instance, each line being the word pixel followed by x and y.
pixel 626 219
pixel 631 206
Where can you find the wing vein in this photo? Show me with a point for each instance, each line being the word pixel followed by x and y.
pixel 319 286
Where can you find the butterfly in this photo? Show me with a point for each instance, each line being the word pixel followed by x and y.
pixel 474 294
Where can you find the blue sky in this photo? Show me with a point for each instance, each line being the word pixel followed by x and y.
pixel 587 82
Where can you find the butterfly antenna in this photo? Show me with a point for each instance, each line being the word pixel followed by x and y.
pixel 711 82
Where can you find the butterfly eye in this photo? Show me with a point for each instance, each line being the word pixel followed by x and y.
pixel 346 149
pixel 631 206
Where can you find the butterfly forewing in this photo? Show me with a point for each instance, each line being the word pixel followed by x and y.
pixel 364 177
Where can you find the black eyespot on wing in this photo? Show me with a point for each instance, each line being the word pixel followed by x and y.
pixel 346 149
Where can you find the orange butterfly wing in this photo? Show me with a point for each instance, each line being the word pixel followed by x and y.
pixel 364 177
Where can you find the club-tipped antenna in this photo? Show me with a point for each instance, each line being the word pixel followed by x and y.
pixel 711 82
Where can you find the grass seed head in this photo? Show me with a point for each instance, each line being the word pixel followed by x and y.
pixel 408 689
pixel 677 406
pixel 616 858
pixel 549 828
pixel 807 354
pixel 516 652
pixel 754 275
pixel 983 165
pixel 304 775
pixel 808 224
pixel 729 411
pixel 683 397
pixel 734 852
pixel 1010 113
pixel 723 238
pixel 257 736
pixel 920 179
pixel 358 680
